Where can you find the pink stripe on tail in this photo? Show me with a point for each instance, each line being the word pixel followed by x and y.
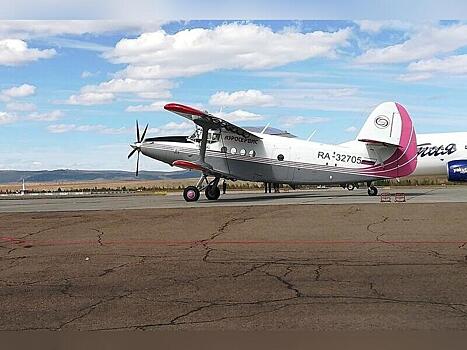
pixel 404 159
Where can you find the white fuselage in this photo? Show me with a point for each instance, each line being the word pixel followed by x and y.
pixel 436 150
pixel 292 160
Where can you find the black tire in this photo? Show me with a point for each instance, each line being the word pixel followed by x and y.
pixel 212 192
pixel 191 194
pixel 372 191
pixel 350 187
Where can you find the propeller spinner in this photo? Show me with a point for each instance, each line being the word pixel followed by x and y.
pixel 137 145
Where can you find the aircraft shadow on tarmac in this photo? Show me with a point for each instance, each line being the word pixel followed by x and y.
pixel 277 196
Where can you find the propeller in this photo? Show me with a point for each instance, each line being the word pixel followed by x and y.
pixel 137 145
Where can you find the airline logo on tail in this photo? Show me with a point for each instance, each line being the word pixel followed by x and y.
pixel 382 122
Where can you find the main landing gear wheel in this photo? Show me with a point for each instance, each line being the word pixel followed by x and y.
pixel 350 187
pixel 191 194
pixel 372 191
pixel 212 192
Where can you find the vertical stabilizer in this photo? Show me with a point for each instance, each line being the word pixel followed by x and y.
pixel 390 136
pixel 384 125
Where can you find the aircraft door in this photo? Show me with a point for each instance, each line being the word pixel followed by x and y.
pixel 216 151
pixel 221 162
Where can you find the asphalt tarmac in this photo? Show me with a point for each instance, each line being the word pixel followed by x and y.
pixel 359 266
pixel 29 203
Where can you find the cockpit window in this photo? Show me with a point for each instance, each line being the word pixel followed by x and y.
pixel 213 136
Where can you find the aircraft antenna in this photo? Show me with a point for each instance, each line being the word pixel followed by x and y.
pixel 312 134
pixel 265 128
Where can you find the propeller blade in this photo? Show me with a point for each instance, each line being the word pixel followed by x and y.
pixel 137 164
pixel 137 133
pixel 144 132
pixel 132 152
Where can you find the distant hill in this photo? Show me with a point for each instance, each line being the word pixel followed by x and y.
pixel 66 175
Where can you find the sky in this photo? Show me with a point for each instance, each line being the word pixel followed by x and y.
pixel 71 90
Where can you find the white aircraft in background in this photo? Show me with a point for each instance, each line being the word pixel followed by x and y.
pixel 385 148
pixel 443 154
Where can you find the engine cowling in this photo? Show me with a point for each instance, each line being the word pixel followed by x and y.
pixel 457 170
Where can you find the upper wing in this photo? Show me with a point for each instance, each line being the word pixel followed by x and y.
pixel 205 118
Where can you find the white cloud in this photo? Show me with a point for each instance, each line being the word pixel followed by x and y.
pixel 96 128
pixel 7 118
pixel 155 57
pixel 105 92
pixel 241 98
pixel 15 52
pixel 375 26
pixel 90 98
pixel 323 98
pixel 426 69
pixel 25 29
pixel 230 46
pixel 47 117
pixel 413 77
pixel 300 120
pixel 130 85
pixel 239 116
pixel 351 129
pixel 157 106
pixel 60 128
pixel 21 106
pixel 450 65
pixel 172 128
pixel 427 42
pixel 87 74
pixel 18 91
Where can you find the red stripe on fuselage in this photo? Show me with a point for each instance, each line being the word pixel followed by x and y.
pixel 187 165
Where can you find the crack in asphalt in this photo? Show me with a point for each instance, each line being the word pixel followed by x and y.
pixel 201 311
pixel 283 303
pixel 379 235
pixel 90 308
pixel 375 291
pixel 318 272
pixel 286 283
pixel 100 233
pixel 66 288
pixel 250 270
pixel 113 269
pixel 431 252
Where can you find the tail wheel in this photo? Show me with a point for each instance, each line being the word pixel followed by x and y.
pixel 372 191
pixel 212 192
pixel 191 194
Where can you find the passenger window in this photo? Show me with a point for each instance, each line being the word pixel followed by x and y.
pixel 280 157
pixel 224 149
pixel 252 153
pixel 233 150
pixel 242 152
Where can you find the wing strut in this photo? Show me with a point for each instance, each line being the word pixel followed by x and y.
pixel 202 148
